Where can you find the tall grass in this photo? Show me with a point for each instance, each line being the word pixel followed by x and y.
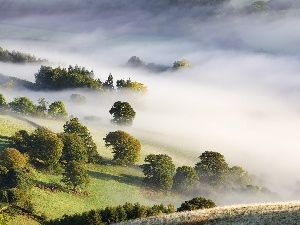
pixel 273 213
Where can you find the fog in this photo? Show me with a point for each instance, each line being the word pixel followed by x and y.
pixel 240 97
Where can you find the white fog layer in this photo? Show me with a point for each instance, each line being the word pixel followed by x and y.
pixel 240 97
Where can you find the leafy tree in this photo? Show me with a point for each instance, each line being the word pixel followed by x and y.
pixel 57 110
pixel 5 219
pixel 2 101
pixel 122 112
pixel 212 168
pixel 108 85
pixel 196 203
pixel 61 78
pixel 186 179
pixel 77 98
pixel 75 175
pixel 17 184
pixel 74 148
pixel 131 86
pixel 125 147
pixel 23 105
pixel 73 126
pixel 159 171
pixel 238 177
pixel 181 64
pixel 21 140
pixel 12 158
pixel 41 108
pixel 135 61
pixel 46 146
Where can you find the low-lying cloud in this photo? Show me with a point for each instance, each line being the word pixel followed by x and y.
pixel 240 97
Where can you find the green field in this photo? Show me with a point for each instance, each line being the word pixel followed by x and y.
pixel 110 185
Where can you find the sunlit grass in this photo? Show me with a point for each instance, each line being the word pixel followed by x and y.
pixel 283 213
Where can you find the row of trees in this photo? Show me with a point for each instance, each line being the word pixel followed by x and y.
pixel 24 105
pixel 48 78
pixel 122 112
pixel 136 62
pixel 18 57
pixel 211 170
pixel 128 211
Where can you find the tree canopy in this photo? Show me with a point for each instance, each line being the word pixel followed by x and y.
pixel 57 110
pixel 159 171
pixel 196 203
pixel 122 112
pixel 212 168
pixel 46 146
pixel 23 105
pixel 12 158
pixel 73 126
pixel 125 147
pixel 61 78
pixel 185 179
pixel 75 175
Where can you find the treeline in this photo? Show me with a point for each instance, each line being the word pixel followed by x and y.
pixel 18 57
pixel 136 62
pixel 54 79
pixel 25 106
pixel 111 214
pixel 211 175
pixel 49 78
pixel 128 211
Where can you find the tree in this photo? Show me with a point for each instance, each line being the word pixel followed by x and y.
pixel 196 203
pixel 77 99
pixel 2 102
pixel 108 85
pixel 12 158
pixel 131 86
pixel 159 171
pixel 125 147
pixel 238 177
pixel 41 109
pixel 73 126
pixel 57 110
pixel 74 148
pixel 46 146
pixel 181 64
pixel 135 61
pixel 186 179
pixel 75 175
pixel 21 140
pixel 23 105
pixel 212 168
pixel 122 112
pixel 17 184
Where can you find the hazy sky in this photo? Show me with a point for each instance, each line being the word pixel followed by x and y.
pixel 240 97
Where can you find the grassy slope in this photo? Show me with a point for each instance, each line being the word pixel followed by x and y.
pixel 110 184
pixel 274 213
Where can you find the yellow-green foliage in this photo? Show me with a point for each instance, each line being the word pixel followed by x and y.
pixel 11 157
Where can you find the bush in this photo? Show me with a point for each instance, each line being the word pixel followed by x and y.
pixel 196 203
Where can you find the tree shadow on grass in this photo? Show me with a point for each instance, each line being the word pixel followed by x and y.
pixel 5 142
pixel 122 178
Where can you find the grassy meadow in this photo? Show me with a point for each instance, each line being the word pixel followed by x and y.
pixel 287 213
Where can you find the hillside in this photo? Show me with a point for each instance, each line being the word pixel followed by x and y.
pixel 269 213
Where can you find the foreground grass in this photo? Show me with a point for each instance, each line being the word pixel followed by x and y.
pixel 272 213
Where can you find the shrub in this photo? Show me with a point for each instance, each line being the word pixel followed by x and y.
pixel 196 203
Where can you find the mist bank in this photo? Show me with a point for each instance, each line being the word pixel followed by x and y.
pixel 240 97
